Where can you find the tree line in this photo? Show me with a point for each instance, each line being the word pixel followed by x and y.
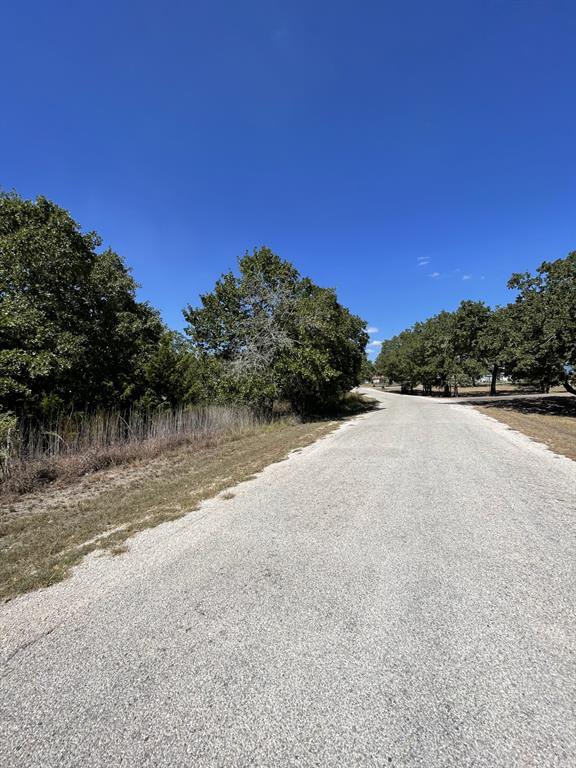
pixel 532 340
pixel 74 336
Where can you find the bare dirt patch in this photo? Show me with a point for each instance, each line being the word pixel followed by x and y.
pixel 549 420
pixel 42 536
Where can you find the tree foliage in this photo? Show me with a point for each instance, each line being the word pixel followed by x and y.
pixel 277 335
pixel 543 319
pixel 533 339
pixel 74 335
pixel 71 330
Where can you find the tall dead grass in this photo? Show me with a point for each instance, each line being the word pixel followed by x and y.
pixel 73 445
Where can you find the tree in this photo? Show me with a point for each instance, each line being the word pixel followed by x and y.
pixel 71 330
pixel 544 322
pixel 532 339
pixel 495 344
pixel 402 359
pixel 122 335
pixel 443 351
pixel 328 350
pixel 277 335
pixel 367 371
pixel 162 378
pixel 44 262
pixel 471 320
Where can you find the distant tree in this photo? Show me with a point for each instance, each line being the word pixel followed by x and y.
pixel 401 359
pixel 433 353
pixel 277 335
pixel 471 320
pixel 543 319
pixel 367 370
pixel 532 339
pixel 495 344
pixel 443 351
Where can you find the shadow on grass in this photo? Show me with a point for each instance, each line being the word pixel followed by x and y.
pixel 439 394
pixel 353 404
pixel 545 406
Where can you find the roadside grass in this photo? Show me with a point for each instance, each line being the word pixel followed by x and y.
pixel 550 420
pixel 502 388
pixel 34 456
pixel 43 535
pixel 72 446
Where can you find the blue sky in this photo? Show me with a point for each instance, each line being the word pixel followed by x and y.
pixel 409 154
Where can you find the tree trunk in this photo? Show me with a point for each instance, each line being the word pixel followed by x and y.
pixel 494 379
pixel 569 386
pixel 446 390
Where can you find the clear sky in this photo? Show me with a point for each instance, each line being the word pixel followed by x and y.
pixel 409 154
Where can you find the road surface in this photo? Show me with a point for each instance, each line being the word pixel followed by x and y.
pixel 401 593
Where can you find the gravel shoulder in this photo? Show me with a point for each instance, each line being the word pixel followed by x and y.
pixel 551 420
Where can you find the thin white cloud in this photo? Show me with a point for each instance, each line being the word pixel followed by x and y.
pixel 371 329
pixel 423 260
pixel 435 275
pixel 375 343
pixel 466 277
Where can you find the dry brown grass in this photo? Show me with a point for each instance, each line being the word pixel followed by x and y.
pixel 550 420
pixel 76 445
pixel 481 390
pixel 502 388
pixel 44 535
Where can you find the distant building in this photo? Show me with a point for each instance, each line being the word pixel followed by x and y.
pixel 488 379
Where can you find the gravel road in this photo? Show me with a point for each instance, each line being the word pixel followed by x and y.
pixel 401 593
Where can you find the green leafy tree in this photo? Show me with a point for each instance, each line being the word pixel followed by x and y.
pixel 71 330
pixel 543 319
pixel 471 320
pixel 367 370
pixel 45 261
pixel 495 344
pixel 443 351
pixel 440 363
pixel 164 376
pixel 276 335
pixel 401 359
